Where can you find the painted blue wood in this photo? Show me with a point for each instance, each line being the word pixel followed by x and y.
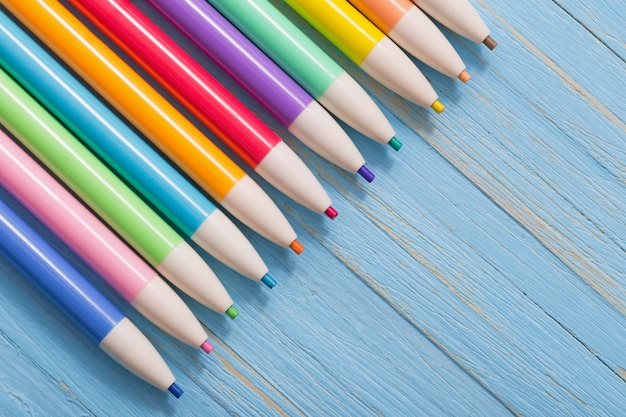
pixel 482 273
pixel 604 18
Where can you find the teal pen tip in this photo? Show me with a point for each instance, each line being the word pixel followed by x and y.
pixel 395 144
pixel 175 390
pixel 268 280
pixel 232 312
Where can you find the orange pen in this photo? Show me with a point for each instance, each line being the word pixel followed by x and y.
pixel 155 117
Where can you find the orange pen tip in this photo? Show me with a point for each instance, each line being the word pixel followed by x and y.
pixel 464 76
pixel 296 247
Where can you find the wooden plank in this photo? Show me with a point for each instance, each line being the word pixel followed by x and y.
pixel 604 18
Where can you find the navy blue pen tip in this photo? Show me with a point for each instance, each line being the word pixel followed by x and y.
pixel 175 390
pixel 268 280
pixel 366 173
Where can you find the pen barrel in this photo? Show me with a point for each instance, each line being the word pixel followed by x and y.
pixel 385 14
pixel 63 214
pixel 84 173
pixel 55 277
pixel 132 96
pixel 283 42
pixel 101 130
pixel 65 287
pixel 341 24
pixel 457 15
pixel 237 56
pixel 183 77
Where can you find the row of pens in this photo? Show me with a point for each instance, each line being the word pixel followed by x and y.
pixel 64 127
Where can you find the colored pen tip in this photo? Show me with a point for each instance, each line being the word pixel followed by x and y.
pixel 464 76
pixel 490 43
pixel 395 144
pixel 232 312
pixel 296 247
pixel 268 280
pixel 437 106
pixel 331 212
pixel 175 390
pixel 366 173
pixel 206 346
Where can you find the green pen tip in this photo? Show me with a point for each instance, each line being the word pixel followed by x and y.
pixel 232 312
pixel 395 144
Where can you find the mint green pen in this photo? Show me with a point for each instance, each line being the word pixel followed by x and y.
pixel 309 66
pixel 159 244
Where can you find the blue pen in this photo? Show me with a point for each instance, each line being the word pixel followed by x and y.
pixel 79 300
pixel 126 153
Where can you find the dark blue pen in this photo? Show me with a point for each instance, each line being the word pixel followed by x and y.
pixel 79 300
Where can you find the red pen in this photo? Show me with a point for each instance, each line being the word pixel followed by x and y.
pixel 242 131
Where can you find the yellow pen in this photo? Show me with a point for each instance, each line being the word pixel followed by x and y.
pixel 155 117
pixel 369 48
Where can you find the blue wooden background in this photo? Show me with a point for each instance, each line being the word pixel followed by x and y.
pixel 482 273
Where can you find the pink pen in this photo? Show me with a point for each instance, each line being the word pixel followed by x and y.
pixel 98 246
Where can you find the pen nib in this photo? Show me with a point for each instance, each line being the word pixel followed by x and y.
pixel 366 173
pixel 175 390
pixel 296 247
pixel 331 212
pixel 490 43
pixel 206 346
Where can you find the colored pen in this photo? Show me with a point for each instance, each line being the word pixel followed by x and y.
pixel 219 110
pixel 101 321
pixel 411 29
pixel 99 247
pixel 459 16
pixel 309 66
pixel 369 48
pixel 126 153
pixel 155 117
pixel 109 197
pixel 280 95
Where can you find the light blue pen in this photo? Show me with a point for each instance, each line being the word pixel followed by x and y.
pixel 79 300
pixel 126 153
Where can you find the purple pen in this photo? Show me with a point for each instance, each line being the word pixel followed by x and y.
pixel 289 103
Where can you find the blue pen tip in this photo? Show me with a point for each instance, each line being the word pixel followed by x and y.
pixel 175 390
pixel 268 280
pixel 366 173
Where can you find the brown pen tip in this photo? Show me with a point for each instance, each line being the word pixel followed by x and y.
pixel 490 43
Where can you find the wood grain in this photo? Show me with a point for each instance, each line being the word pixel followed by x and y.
pixel 482 273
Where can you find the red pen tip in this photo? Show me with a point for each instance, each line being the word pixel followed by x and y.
pixel 331 212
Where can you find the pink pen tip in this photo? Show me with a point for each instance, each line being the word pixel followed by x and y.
pixel 206 346
pixel 331 212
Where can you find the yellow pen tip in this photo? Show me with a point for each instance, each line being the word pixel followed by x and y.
pixel 437 106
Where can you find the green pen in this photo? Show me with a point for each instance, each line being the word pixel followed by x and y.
pixel 309 66
pixel 156 241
